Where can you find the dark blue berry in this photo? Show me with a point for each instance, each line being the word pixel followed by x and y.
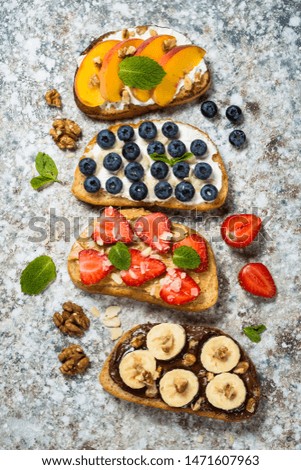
pixel 198 147
pixel 114 185
pixel 184 191
pixel 176 148
pixel 92 184
pixel 209 192
pixel 208 109
pixel 202 171
pixel 163 190
pixel 134 171
pixel 156 147
pixel 181 169
pixel 237 138
pixel 131 151
pixel 234 114
pixel 106 139
pixel 159 170
pixel 125 133
pixel 138 191
pixel 87 166
pixel 147 130
pixel 112 161
pixel 170 129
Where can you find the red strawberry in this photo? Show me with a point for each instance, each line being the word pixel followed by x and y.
pixel 112 227
pixel 93 266
pixel 154 230
pixel 257 279
pixel 142 269
pixel 240 230
pixel 178 288
pixel 198 243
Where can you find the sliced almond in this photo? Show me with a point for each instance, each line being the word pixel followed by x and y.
pixel 112 322
pixel 116 333
pixel 112 311
pixel 95 312
pixel 116 278
pixel 141 30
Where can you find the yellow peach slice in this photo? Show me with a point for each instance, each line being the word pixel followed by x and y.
pixel 176 63
pixel 110 83
pixel 86 84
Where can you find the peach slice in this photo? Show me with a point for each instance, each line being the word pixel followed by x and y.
pixel 176 63
pixel 110 83
pixel 88 70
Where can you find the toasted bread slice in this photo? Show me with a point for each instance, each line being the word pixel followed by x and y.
pixel 195 83
pixel 238 387
pixel 187 134
pixel 149 291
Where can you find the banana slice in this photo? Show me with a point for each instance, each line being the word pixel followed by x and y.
pixel 226 391
pixel 166 340
pixel 178 387
pixel 137 369
pixel 220 354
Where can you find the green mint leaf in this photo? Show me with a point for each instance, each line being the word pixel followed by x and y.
pixel 170 161
pixel 46 166
pixel 37 275
pixel 39 181
pixel 120 256
pixel 186 257
pixel 253 332
pixel 157 157
pixel 185 156
pixel 140 72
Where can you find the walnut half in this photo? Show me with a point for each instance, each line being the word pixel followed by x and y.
pixel 72 321
pixel 53 98
pixel 65 133
pixel 74 360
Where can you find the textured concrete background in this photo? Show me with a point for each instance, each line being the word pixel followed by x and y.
pixel 253 49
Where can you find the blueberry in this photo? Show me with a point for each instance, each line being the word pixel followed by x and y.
pixel 170 129
pixel 147 130
pixel 184 191
pixel 87 166
pixel 114 185
pixel 138 191
pixel 112 161
pixel 234 113
pixel 176 148
pixel 208 109
pixel 106 139
pixel 237 138
pixel 159 170
pixel 198 147
pixel 163 190
pixel 130 151
pixel 181 169
pixel 125 133
pixel 209 192
pixel 134 171
pixel 92 184
pixel 202 170
pixel 155 147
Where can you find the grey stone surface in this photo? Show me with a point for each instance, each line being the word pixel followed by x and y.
pixel 253 49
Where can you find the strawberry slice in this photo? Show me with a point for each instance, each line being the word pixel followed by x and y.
pixel 154 230
pixel 178 288
pixel 142 269
pixel 198 243
pixel 112 227
pixel 93 266
pixel 257 279
pixel 240 230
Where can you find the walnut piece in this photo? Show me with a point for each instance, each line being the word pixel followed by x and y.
pixel 153 32
pixel 138 341
pixel 141 30
pixel 53 98
pixel 181 385
pixel 229 391
pixel 192 343
pixel 65 133
pixel 125 97
pixel 197 405
pixel 126 52
pixel 197 76
pixel 187 83
pixel 72 321
pixel 94 81
pixel 125 34
pixel 169 44
pixel 241 367
pixel 251 405
pixel 97 61
pixel 189 359
pixel 74 360
pixel 222 353
pixel 209 376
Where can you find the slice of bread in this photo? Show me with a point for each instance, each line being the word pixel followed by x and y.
pixel 150 290
pixel 190 359
pixel 187 134
pixel 197 85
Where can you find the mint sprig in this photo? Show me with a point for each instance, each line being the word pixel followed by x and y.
pixel 157 157
pixel 186 257
pixel 254 332
pixel 37 275
pixel 140 72
pixel 120 256
pixel 47 170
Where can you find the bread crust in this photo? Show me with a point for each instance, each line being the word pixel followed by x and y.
pixel 105 199
pixel 208 279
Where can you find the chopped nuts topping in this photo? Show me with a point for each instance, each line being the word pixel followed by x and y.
pixel 153 32
pixel 141 30
pixel 197 405
pixel 169 44
pixel 187 83
pixel 151 391
pixel 94 81
pixel 251 405
pixel 241 367
pixel 97 61
pixel 125 34
pixel 181 385
pixel 197 76
pixel 65 133
pixel 72 321
pixel 74 360
pixel 53 98
pixel 189 359
pixel 126 97
pixel 209 376
pixel 229 391
pixel 126 52
pixel 192 343
pixel 138 341
pixel 166 342
pixel 221 353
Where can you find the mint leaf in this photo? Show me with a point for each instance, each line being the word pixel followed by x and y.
pixel 120 256
pixel 186 257
pixel 170 161
pixel 37 275
pixel 46 166
pixel 185 156
pixel 157 157
pixel 39 181
pixel 253 332
pixel 140 72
